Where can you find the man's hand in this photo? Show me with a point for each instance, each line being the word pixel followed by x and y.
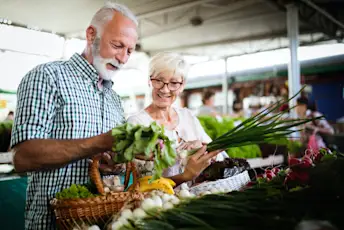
pixel 107 165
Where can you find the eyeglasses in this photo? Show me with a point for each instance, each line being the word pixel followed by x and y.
pixel 172 86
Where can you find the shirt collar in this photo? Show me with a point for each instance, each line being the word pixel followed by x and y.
pixel 87 70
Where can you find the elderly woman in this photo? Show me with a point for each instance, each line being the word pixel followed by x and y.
pixel 167 80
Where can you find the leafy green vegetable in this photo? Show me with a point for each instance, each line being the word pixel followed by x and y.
pixel 132 140
pixel 74 192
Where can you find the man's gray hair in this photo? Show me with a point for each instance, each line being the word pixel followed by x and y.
pixel 106 13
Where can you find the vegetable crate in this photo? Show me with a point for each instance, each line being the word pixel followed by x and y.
pixel 74 212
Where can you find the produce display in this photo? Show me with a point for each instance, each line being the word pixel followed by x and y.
pixel 132 140
pixel 310 190
pixel 161 209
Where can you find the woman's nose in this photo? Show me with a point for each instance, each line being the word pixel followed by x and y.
pixel 165 89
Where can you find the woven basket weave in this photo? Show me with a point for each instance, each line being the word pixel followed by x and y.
pixel 95 210
pixel 229 184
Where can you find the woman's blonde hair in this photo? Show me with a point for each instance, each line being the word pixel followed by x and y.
pixel 168 62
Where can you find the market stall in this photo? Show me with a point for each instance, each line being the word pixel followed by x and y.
pixel 156 202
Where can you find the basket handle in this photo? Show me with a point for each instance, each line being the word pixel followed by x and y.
pixel 97 180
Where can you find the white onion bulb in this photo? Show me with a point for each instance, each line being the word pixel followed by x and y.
pixel 127 214
pixel 116 225
pixel 148 204
pixel 139 213
pixel 166 197
pixel 184 186
pixel 184 194
pixel 175 200
pixel 157 201
pixel 167 205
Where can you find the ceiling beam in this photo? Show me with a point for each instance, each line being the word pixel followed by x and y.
pixel 173 8
pixel 317 20
pixel 302 43
pixel 324 13
pixel 223 15
pixel 276 34
pixel 232 7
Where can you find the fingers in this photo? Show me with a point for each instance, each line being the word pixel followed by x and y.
pixel 200 152
pixel 181 147
pixel 194 145
pixel 210 155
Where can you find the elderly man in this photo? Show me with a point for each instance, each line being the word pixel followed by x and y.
pixel 65 111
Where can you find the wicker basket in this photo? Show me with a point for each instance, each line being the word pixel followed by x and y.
pixel 229 184
pixel 96 210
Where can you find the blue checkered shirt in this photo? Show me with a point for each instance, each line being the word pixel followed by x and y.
pixel 61 100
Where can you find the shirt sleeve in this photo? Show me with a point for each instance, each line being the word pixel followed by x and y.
pixel 202 135
pixel 36 104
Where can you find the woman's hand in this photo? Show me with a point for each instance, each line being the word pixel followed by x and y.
pixel 189 146
pixel 198 162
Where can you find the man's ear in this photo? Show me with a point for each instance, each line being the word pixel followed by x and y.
pixel 91 34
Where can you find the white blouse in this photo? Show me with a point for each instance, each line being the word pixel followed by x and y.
pixel 188 129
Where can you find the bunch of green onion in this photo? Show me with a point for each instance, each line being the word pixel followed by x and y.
pixel 261 128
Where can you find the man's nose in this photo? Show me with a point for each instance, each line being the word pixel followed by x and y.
pixel 122 57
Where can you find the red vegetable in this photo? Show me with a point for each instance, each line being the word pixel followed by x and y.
pixel 306 162
pixel 300 176
pixel 276 170
pixel 269 176
pixel 250 184
pixel 293 161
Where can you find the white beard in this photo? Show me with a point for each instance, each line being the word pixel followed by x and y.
pixel 99 64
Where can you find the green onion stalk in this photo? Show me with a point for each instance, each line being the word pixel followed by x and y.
pixel 261 128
